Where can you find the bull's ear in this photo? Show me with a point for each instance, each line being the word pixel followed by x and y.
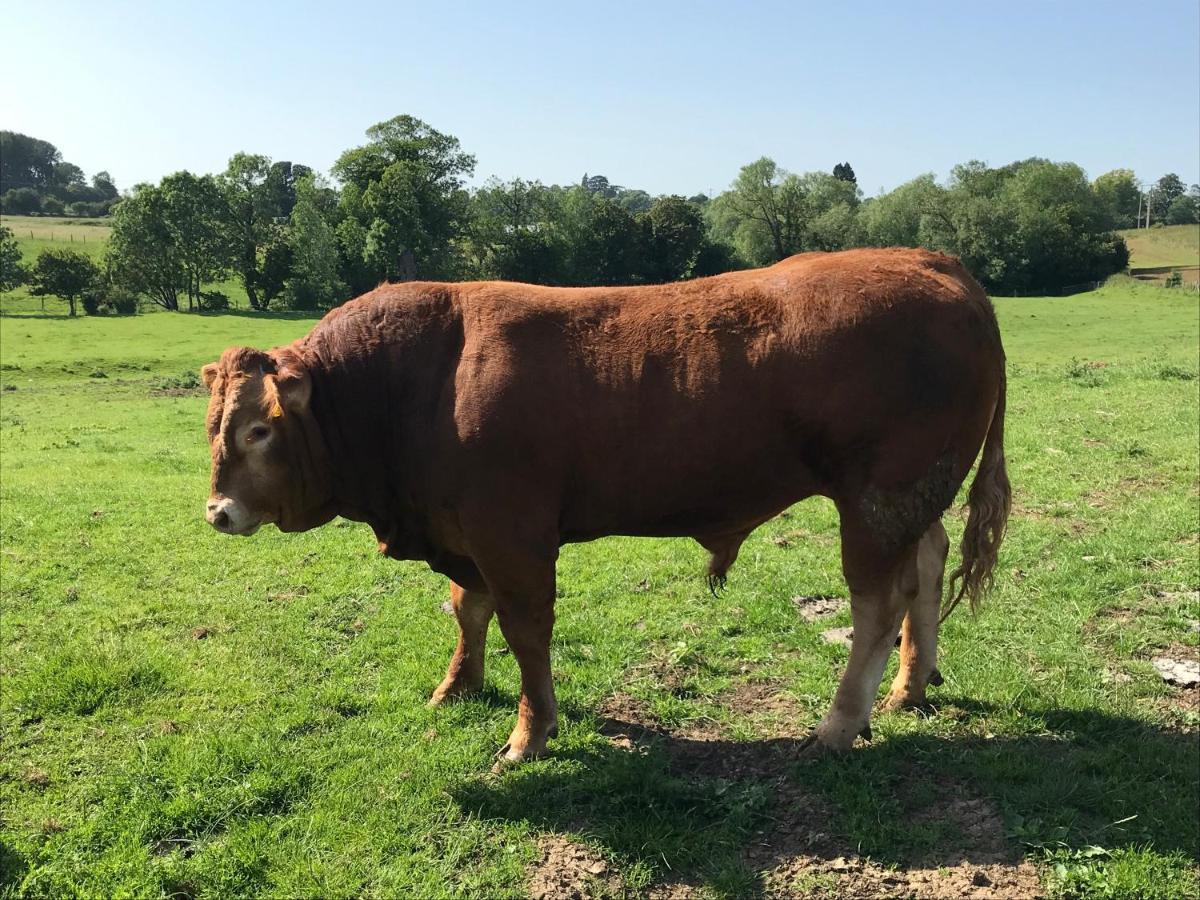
pixel 292 382
pixel 209 374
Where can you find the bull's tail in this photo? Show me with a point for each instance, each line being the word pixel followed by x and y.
pixel 989 500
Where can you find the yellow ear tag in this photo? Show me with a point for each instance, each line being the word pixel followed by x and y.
pixel 276 410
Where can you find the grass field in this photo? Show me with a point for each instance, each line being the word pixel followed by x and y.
pixel 35 233
pixel 1171 245
pixel 186 714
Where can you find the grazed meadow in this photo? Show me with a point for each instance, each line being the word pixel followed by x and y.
pixel 186 714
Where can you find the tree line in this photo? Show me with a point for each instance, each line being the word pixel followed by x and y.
pixel 398 208
pixel 34 179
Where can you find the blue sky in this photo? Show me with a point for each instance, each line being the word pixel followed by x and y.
pixel 672 97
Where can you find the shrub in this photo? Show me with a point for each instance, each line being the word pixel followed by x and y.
pixel 52 206
pixel 122 302
pixel 1174 280
pixel 213 301
pixel 20 201
pixel 93 301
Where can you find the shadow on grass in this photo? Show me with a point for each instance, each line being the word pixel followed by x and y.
pixel 12 866
pixel 40 315
pixel 718 812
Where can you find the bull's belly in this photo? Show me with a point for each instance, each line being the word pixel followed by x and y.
pixel 712 507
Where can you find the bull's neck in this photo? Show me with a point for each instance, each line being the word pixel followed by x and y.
pixel 379 369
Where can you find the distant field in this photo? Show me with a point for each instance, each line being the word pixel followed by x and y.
pixel 1171 245
pixel 190 715
pixel 37 233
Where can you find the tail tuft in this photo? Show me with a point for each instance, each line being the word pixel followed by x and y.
pixel 990 500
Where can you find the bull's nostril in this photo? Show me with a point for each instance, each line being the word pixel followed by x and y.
pixel 221 519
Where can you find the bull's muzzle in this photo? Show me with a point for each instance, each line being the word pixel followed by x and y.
pixel 229 517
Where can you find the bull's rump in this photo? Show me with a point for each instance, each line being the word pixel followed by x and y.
pixel 707 406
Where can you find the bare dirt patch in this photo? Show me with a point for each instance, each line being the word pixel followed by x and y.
pixel 977 862
pixel 818 606
pixel 565 870
pixel 792 855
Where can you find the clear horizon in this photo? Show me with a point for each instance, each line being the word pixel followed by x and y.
pixel 666 97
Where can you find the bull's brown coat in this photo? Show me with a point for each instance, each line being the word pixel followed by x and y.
pixel 479 426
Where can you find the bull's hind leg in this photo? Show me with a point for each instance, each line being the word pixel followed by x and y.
pixel 919 635
pixel 883 584
pixel 473 610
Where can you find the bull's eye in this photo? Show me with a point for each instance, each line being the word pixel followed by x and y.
pixel 258 433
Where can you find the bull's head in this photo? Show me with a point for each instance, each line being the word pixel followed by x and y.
pixel 268 459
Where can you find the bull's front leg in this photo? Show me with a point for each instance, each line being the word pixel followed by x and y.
pixel 527 624
pixel 519 572
pixel 473 610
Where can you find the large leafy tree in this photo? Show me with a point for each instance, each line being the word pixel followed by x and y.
pixel 1185 209
pixel 281 186
pixel 405 189
pixel 63 273
pixel 1120 196
pixel 1165 192
pixel 26 162
pixel 675 236
pixel 195 217
pixel 601 242
pixel 763 213
pixel 250 206
pixel 769 214
pixel 902 218
pixel 313 281
pixel 1032 226
pixel 142 255
pixel 512 235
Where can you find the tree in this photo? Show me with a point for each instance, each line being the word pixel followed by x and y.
pixel 902 218
pixel 247 191
pixel 13 273
pixel 675 236
pixel 21 201
pixel 598 184
pixel 1120 196
pixel 762 213
pixel 1165 191
pixel 63 273
pixel 512 235
pixel 104 187
pixel 195 212
pixel 26 162
pixel 142 255
pixel 843 172
pixel 633 200
pixel 1185 209
pixel 408 197
pixel 601 242
pixel 313 282
pixel 281 186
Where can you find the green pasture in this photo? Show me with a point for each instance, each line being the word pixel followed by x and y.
pixel 191 715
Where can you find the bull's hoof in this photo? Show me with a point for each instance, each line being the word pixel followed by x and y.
pixel 522 747
pixel 816 747
pixel 448 691
pixel 901 700
pixel 508 758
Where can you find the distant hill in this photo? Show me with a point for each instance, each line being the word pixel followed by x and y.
pixel 1171 245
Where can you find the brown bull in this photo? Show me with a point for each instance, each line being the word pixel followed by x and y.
pixel 480 426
